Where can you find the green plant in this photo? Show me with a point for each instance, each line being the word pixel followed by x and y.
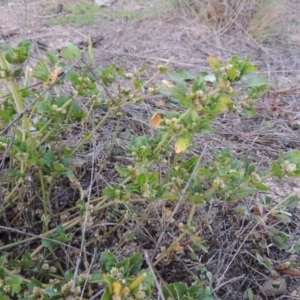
pixel 121 280
pixel 181 291
pixel 39 156
pixel 77 14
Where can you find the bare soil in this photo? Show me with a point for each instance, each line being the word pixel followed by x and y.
pixel 144 41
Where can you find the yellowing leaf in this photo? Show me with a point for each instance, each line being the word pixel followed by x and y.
pixel 224 101
pixel 168 213
pixel 52 78
pixel 117 287
pixel 177 247
pixel 138 280
pixel 182 143
pixel 213 62
pixel 155 120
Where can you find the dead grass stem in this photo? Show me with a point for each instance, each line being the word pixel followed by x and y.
pixel 268 20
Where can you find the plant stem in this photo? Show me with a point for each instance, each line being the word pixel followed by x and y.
pixel 170 132
pixel 114 136
pixel 89 136
pixel 44 200
pixel 191 215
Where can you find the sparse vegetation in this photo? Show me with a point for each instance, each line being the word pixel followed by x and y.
pixel 107 193
pixel 37 159
pixel 76 14
pixel 261 19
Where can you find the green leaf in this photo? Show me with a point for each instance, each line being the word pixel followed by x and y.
pixel 7 114
pixel 213 62
pixel 95 278
pixel 58 167
pixel 108 261
pixel 141 179
pixel 20 73
pixel 70 52
pixel 52 292
pixel 17 55
pixel 137 83
pixel 133 188
pixel 196 199
pixel 243 192
pixel 276 170
pixel 135 265
pixel 15 284
pixel 52 56
pixel 107 295
pixel 153 178
pixel 179 93
pixel 3 259
pixel 210 78
pixel 246 162
pixel 280 239
pixel 297 246
pixel 193 256
pixel 264 261
pixel 110 192
pixel 176 290
pixel 41 71
pixel 124 172
pixel 44 107
pixel 69 275
pixel 69 173
pixel 198 84
pixel 281 217
pixel 15 263
pixel 199 293
pixel 181 76
pixel 26 260
pixel 256 81
pixel 250 294
pixel 291 202
pixel 250 112
pixel 294 157
pixel 49 159
pixel 232 74
pixel 47 243
pixel 182 143
pixel 33 283
pixel 27 45
pixel 259 186
pixel 248 69
pixel 2 273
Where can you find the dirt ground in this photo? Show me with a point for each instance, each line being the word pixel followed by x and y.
pixel 137 42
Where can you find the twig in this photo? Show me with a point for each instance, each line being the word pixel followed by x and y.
pixel 4 228
pixel 228 281
pixel 20 115
pixel 180 202
pixel 150 266
pixel 86 215
pixel 243 242
pixel 88 273
pixel 110 96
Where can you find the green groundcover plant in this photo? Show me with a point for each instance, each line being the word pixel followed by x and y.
pixel 32 120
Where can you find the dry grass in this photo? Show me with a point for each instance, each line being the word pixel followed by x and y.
pixel 134 44
pixel 261 19
pixel 219 15
pixel 268 20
